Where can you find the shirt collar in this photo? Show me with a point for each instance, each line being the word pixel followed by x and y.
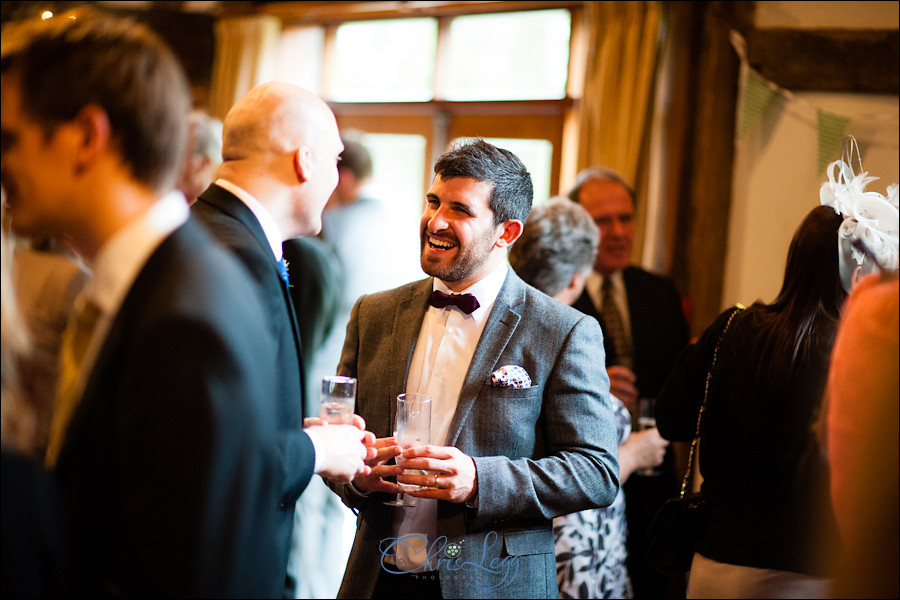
pixel 485 289
pixel 594 286
pixel 615 277
pixel 265 218
pixel 123 256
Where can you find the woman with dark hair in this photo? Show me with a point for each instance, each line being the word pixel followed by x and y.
pixel 764 477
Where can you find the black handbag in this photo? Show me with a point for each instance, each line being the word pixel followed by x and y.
pixel 673 531
pixel 682 520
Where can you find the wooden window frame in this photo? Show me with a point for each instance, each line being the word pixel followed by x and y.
pixel 439 120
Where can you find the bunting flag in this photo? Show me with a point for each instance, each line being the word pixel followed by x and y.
pixel 758 95
pixel 831 137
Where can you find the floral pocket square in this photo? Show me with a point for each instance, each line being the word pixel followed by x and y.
pixel 511 376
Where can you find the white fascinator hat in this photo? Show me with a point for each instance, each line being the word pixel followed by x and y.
pixel 869 238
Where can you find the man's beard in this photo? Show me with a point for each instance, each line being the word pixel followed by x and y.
pixel 468 259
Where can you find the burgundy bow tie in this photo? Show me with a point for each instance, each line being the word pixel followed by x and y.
pixel 464 302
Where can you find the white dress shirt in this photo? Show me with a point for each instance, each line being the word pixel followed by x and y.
pixel 444 349
pixel 119 261
pixel 265 218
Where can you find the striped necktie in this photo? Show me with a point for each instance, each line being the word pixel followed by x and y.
pixel 615 329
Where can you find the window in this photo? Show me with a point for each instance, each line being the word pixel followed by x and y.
pixel 537 156
pixel 397 164
pixel 384 61
pixel 414 84
pixel 519 56
pixel 398 161
pixel 506 56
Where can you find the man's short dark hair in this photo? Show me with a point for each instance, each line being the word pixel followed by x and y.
pixel 87 57
pixel 512 191
pixel 356 159
pixel 592 173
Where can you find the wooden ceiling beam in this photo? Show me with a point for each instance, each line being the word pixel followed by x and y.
pixel 298 13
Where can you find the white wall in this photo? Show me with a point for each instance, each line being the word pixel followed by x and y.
pixel 775 178
pixel 775 183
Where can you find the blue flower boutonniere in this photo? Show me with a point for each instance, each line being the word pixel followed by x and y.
pixel 283 268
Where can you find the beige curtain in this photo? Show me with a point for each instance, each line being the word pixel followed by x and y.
pixel 623 38
pixel 246 50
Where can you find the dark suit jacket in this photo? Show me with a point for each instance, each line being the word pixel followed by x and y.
pixel 539 452
pixel 167 470
pixel 33 536
pixel 659 333
pixel 236 227
pixel 316 284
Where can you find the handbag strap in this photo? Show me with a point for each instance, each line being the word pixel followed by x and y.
pixel 709 375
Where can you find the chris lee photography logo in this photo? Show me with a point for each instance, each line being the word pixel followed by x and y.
pixel 450 557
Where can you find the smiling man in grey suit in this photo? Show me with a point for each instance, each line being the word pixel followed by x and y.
pixel 522 426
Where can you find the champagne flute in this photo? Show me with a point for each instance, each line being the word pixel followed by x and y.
pixel 647 420
pixel 337 400
pixel 413 429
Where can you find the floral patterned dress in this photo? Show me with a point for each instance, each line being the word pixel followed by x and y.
pixel 590 545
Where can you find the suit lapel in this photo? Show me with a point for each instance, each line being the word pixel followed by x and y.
pixel 226 202
pixel 500 326
pixel 631 299
pixel 586 305
pixel 295 329
pixel 232 206
pixel 408 317
pixel 105 369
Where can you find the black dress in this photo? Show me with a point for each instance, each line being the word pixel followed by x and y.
pixel 763 472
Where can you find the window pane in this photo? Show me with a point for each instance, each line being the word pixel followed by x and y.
pixel 299 59
pixel 385 61
pixel 512 56
pixel 398 165
pixel 537 156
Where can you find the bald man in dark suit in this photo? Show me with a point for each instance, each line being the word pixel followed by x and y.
pixel 280 151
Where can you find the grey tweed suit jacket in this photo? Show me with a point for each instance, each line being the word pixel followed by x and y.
pixel 539 452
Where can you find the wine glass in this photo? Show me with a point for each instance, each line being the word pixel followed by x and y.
pixel 647 420
pixel 413 429
pixel 337 399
